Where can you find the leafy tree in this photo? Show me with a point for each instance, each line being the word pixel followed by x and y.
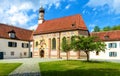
pixel 87 44
pixel 66 46
pixel 107 28
pixel 96 29
pixel 117 27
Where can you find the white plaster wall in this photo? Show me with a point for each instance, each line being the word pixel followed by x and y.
pixel 105 55
pixel 17 50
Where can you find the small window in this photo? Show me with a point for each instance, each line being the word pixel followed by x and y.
pixel 97 52
pixel 12 44
pixel 36 43
pixel 25 45
pixel 53 43
pixel 106 37
pixel 12 53
pixel 112 45
pixel 112 54
pixel 73 25
pixel 12 34
pixel 25 53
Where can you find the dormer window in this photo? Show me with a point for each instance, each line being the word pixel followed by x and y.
pixel 73 25
pixel 12 34
pixel 106 37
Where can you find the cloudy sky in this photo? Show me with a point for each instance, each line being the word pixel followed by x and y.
pixel 24 13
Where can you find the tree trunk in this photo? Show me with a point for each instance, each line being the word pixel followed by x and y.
pixel 87 53
pixel 67 55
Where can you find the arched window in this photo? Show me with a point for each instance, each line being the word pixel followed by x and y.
pixel 72 39
pixel 36 43
pixel 53 43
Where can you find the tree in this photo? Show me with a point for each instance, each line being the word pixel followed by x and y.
pixel 96 29
pixel 117 27
pixel 66 46
pixel 88 44
pixel 107 28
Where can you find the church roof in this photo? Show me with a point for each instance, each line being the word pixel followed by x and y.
pixel 108 35
pixel 21 34
pixel 61 24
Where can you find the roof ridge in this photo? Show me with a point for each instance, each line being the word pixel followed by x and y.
pixel 15 27
pixel 63 17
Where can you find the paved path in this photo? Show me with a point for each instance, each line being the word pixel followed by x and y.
pixel 30 66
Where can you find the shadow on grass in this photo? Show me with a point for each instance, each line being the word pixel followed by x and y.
pixel 83 72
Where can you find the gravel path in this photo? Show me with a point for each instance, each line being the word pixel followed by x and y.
pixel 30 66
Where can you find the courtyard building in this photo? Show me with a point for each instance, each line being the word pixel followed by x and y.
pixel 15 42
pixel 112 41
pixel 49 33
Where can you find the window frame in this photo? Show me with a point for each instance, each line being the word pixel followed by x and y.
pixel 54 44
pixel 12 44
pixel 112 45
pixel 112 54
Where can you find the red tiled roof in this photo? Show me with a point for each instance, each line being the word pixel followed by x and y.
pixel 111 35
pixel 21 34
pixel 61 24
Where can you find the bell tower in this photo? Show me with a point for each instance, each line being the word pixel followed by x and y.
pixel 41 15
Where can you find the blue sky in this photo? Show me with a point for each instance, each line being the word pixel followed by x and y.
pixel 24 13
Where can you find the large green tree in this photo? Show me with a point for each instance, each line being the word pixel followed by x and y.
pixel 88 44
pixel 66 46
pixel 96 29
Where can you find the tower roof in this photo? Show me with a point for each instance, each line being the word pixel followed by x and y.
pixel 41 9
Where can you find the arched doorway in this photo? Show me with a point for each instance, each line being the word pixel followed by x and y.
pixel 42 53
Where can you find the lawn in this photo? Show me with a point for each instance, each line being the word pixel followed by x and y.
pixel 6 68
pixel 79 68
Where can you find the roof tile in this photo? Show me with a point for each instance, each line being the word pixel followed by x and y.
pixel 21 34
pixel 61 24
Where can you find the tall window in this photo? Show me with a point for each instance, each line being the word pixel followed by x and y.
pixel 53 43
pixel 112 45
pixel 112 54
pixel 12 44
pixel 36 43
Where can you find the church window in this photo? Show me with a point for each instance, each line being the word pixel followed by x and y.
pixel 36 43
pixel 53 43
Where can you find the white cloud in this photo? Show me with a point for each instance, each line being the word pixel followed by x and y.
pixel 114 5
pixel 91 26
pixel 57 3
pixel 22 13
pixel 17 12
pixel 67 7
pixel 33 27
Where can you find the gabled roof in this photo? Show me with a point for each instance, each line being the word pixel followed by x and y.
pixel 21 34
pixel 61 24
pixel 108 35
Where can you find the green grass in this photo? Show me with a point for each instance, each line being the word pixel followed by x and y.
pixel 79 68
pixel 6 68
